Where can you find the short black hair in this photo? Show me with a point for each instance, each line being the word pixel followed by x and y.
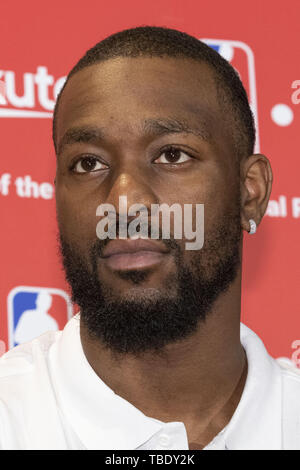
pixel 155 41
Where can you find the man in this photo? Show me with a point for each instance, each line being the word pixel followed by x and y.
pixel 157 357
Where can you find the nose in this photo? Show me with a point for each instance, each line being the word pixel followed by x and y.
pixel 134 187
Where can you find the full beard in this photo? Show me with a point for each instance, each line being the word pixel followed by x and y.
pixel 149 319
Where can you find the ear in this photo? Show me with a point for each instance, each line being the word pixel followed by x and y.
pixel 256 185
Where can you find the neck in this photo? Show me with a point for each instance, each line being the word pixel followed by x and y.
pixel 198 380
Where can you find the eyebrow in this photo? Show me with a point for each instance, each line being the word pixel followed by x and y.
pixel 157 127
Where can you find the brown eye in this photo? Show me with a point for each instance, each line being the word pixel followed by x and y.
pixel 173 155
pixel 88 164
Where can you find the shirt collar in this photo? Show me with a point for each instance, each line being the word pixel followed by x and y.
pixel 100 418
pixel 104 420
pixel 256 422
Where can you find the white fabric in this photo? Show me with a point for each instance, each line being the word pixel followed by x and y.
pixel 50 398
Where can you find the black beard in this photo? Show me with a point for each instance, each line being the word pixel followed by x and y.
pixel 150 322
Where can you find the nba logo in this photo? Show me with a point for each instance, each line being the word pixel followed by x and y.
pixel 34 310
pixel 241 58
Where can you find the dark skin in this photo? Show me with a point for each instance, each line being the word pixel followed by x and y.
pixel 209 368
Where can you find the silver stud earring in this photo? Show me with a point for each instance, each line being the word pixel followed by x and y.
pixel 252 227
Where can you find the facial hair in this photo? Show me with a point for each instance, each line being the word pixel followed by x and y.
pixel 155 318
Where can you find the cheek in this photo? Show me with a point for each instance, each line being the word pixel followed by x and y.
pixel 221 196
pixel 210 188
pixel 76 217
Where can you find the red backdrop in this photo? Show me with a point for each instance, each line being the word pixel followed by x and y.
pixel 41 41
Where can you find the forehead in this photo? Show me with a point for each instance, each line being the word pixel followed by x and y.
pixel 123 92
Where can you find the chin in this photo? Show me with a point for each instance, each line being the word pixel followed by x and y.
pixel 143 295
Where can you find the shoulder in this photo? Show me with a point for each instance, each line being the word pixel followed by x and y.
pixel 25 376
pixel 290 403
pixel 288 367
pixel 27 400
pixel 20 363
pixel 289 372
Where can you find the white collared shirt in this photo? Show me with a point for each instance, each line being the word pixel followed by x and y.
pixel 50 398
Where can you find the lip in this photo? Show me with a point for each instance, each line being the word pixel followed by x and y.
pixel 133 254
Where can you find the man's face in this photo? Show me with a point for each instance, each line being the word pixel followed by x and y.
pixel 141 300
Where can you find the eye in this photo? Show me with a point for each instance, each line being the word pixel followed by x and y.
pixel 173 155
pixel 88 164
